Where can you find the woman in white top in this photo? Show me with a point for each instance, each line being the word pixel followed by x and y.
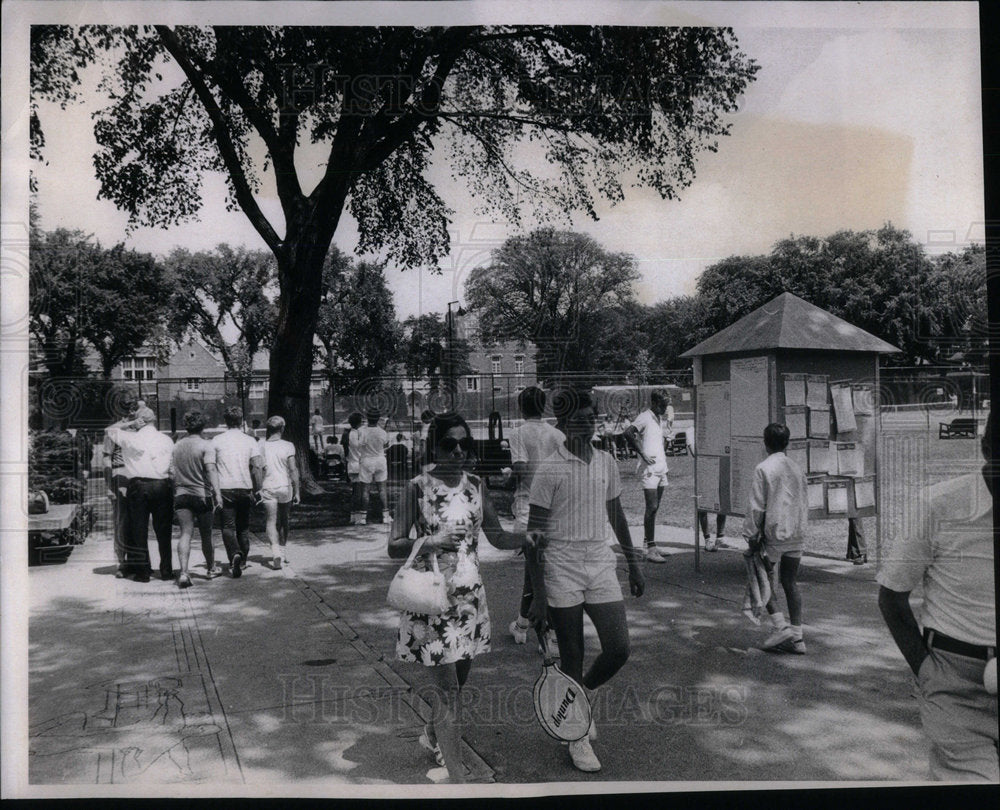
pixel 280 488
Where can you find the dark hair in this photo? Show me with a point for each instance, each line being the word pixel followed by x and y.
pixel 426 415
pixel 568 401
pixel 331 439
pixel 776 437
pixel 531 401
pixel 399 437
pixel 194 421
pixel 233 416
pixel 373 415
pixel 659 395
pixel 355 420
pixel 439 429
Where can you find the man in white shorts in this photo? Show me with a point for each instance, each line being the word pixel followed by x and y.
pixel 574 495
pixel 645 434
pixel 530 444
pixel 374 468
pixel 280 487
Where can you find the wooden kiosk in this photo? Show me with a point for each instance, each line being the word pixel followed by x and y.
pixel 790 362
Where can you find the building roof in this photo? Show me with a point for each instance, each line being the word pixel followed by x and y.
pixel 788 322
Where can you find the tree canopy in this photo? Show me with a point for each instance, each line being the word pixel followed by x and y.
pixel 82 295
pixel 551 288
pixel 357 324
pixel 430 351
pixel 222 292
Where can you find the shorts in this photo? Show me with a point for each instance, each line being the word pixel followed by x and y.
pixel 374 470
pixel 584 582
pixel 279 494
pixel 195 504
pixel 655 476
pixel 793 548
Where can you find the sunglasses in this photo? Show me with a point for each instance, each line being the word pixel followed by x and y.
pixel 449 443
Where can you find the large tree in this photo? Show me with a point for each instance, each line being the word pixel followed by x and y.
pixel 221 296
pixel 356 327
pixel 433 352
pixel 879 280
pixel 83 295
pixel 604 106
pixel 552 288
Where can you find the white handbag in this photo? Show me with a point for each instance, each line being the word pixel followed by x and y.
pixel 424 592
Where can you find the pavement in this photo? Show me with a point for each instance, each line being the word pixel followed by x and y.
pixel 285 682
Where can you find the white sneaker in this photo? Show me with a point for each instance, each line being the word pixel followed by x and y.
pixel 780 636
pixel 654 556
pixel 583 756
pixel 519 633
pixel 711 545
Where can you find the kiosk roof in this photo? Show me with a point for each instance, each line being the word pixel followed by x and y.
pixel 788 322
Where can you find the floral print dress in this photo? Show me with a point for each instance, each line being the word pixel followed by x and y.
pixel 463 631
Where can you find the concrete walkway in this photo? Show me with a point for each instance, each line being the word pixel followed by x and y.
pixel 284 682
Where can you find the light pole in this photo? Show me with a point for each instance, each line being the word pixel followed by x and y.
pixel 451 360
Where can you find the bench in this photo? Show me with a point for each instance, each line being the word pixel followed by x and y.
pixel 963 426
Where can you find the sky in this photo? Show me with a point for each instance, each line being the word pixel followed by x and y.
pixel 861 114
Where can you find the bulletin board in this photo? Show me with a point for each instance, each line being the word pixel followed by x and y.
pixel 839 450
pixel 831 420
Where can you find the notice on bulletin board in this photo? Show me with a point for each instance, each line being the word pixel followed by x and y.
pixel 795 389
pixel 814 492
pixel 712 420
pixel 750 398
pixel 795 420
pixel 843 408
pixel 820 460
pixel 708 483
pixel 798 451
pixel 836 497
pixel 864 491
pixel 861 396
pixel 816 391
pixel 850 459
pixel 746 455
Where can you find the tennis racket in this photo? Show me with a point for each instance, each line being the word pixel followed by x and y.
pixel 561 704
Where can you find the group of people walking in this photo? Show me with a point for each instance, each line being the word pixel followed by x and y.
pixel 149 476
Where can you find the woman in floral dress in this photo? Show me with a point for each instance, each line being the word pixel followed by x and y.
pixel 448 506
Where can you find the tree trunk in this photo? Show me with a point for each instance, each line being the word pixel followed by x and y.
pixel 300 275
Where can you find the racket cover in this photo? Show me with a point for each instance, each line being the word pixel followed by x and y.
pixel 561 704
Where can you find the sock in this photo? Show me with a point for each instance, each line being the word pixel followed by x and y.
pixel 778 619
pixel 796 630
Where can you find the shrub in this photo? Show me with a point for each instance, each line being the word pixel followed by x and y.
pixel 55 463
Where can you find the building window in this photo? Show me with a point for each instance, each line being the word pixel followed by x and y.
pixel 316 388
pixel 139 368
pixel 497 389
pixel 192 385
pixel 495 363
pixel 519 364
pixel 472 384
pixel 258 390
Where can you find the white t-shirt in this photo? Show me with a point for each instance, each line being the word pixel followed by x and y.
pixel 316 423
pixel 946 543
pixel 233 451
pixel 576 494
pixel 532 443
pixel 373 442
pixel 651 435
pixel 275 455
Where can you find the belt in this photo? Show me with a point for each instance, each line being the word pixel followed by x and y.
pixel 149 480
pixel 939 641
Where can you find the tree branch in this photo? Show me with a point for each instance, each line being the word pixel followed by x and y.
pixel 244 195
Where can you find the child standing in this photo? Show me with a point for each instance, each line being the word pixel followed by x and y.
pixel 776 515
